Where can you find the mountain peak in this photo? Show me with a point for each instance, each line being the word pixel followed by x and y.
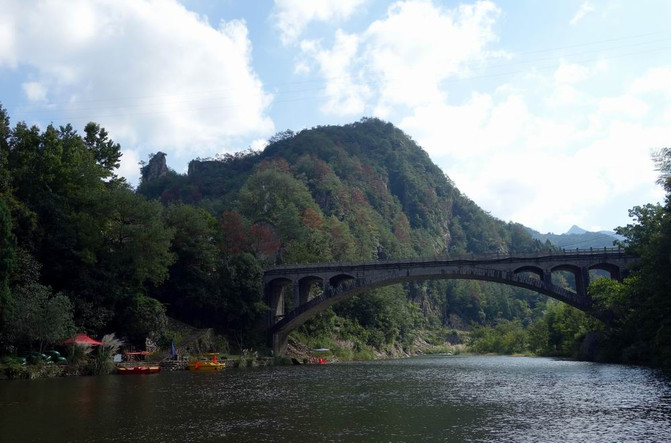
pixel 576 230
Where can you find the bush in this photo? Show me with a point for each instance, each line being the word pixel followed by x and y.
pixel 12 369
pixel 102 362
pixel 78 361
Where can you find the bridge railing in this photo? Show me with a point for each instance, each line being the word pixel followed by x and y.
pixel 567 253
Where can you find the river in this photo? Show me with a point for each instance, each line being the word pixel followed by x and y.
pixel 437 398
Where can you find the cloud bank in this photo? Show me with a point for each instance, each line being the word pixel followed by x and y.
pixel 542 147
pixel 151 72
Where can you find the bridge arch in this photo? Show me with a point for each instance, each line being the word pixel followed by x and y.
pixel 340 280
pixel 337 280
pixel 532 269
pixel 305 285
pixel 615 272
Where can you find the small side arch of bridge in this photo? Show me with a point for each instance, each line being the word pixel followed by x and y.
pixel 297 293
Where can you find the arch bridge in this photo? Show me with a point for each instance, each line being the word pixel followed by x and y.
pixel 296 293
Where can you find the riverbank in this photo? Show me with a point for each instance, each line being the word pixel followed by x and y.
pixel 427 342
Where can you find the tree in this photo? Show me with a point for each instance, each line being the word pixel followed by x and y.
pixel 7 259
pixel 646 333
pixel 242 293
pixel 106 153
pixel 234 233
pixel 5 132
pixel 662 159
pixel 121 248
pixel 610 295
pixel 136 241
pixel 142 317
pixel 647 225
pixel 39 316
pixel 192 277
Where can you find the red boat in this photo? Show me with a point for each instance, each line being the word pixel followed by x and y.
pixel 132 365
pixel 138 370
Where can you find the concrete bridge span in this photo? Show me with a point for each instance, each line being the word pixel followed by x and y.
pixel 296 293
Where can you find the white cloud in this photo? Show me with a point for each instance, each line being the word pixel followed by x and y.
pixel 519 157
pixel 547 148
pixel 627 105
pixel 153 73
pixel 585 8
pixel 410 71
pixel 571 73
pixel 657 80
pixel 293 16
pixel 129 165
pixel 7 31
pixel 35 92
pixel 344 95
pixel 405 72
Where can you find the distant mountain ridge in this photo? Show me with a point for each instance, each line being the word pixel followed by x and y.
pixel 577 237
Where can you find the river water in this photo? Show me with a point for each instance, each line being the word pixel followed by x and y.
pixel 418 399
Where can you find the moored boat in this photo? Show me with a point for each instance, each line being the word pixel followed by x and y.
pixel 320 356
pixel 206 363
pixel 134 366
pixel 138 370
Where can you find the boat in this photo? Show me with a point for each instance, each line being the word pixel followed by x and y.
pixel 206 363
pixel 320 356
pixel 133 364
pixel 138 370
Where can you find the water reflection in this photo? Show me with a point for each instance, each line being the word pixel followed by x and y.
pixel 433 398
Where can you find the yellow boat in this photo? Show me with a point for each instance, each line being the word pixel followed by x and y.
pixel 206 363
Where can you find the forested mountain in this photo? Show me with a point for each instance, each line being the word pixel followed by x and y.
pixel 362 191
pixel 368 176
pixel 80 250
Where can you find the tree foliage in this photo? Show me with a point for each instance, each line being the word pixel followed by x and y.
pixel 77 244
pixel 640 328
pixel 194 246
pixel 39 317
pixel 645 332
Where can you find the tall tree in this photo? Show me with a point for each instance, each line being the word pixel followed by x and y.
pixel 7 247
pixel 106 153
pixel 5 132
pixel 191 290
pixel 646 333
pixel 39 316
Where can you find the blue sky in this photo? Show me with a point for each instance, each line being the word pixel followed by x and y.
pixel 543 113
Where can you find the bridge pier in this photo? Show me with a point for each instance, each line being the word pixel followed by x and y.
pixel 582 282
pixel 296 292
pixel 276 303
pixel 280 341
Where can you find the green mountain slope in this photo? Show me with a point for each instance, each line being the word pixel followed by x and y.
pixel 367 171
pixel 347 193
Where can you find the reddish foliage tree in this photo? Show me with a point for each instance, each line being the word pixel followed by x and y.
pixel 280 164
pixel 320 167
pixel 312 218
pixel 234 232
pixel 402 228
pixel 264 240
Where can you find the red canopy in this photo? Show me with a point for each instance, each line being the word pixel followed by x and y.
pixel 83 339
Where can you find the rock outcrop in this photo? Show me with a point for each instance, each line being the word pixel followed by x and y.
pixel 156 168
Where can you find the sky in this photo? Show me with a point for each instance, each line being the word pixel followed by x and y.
pixel 544 113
